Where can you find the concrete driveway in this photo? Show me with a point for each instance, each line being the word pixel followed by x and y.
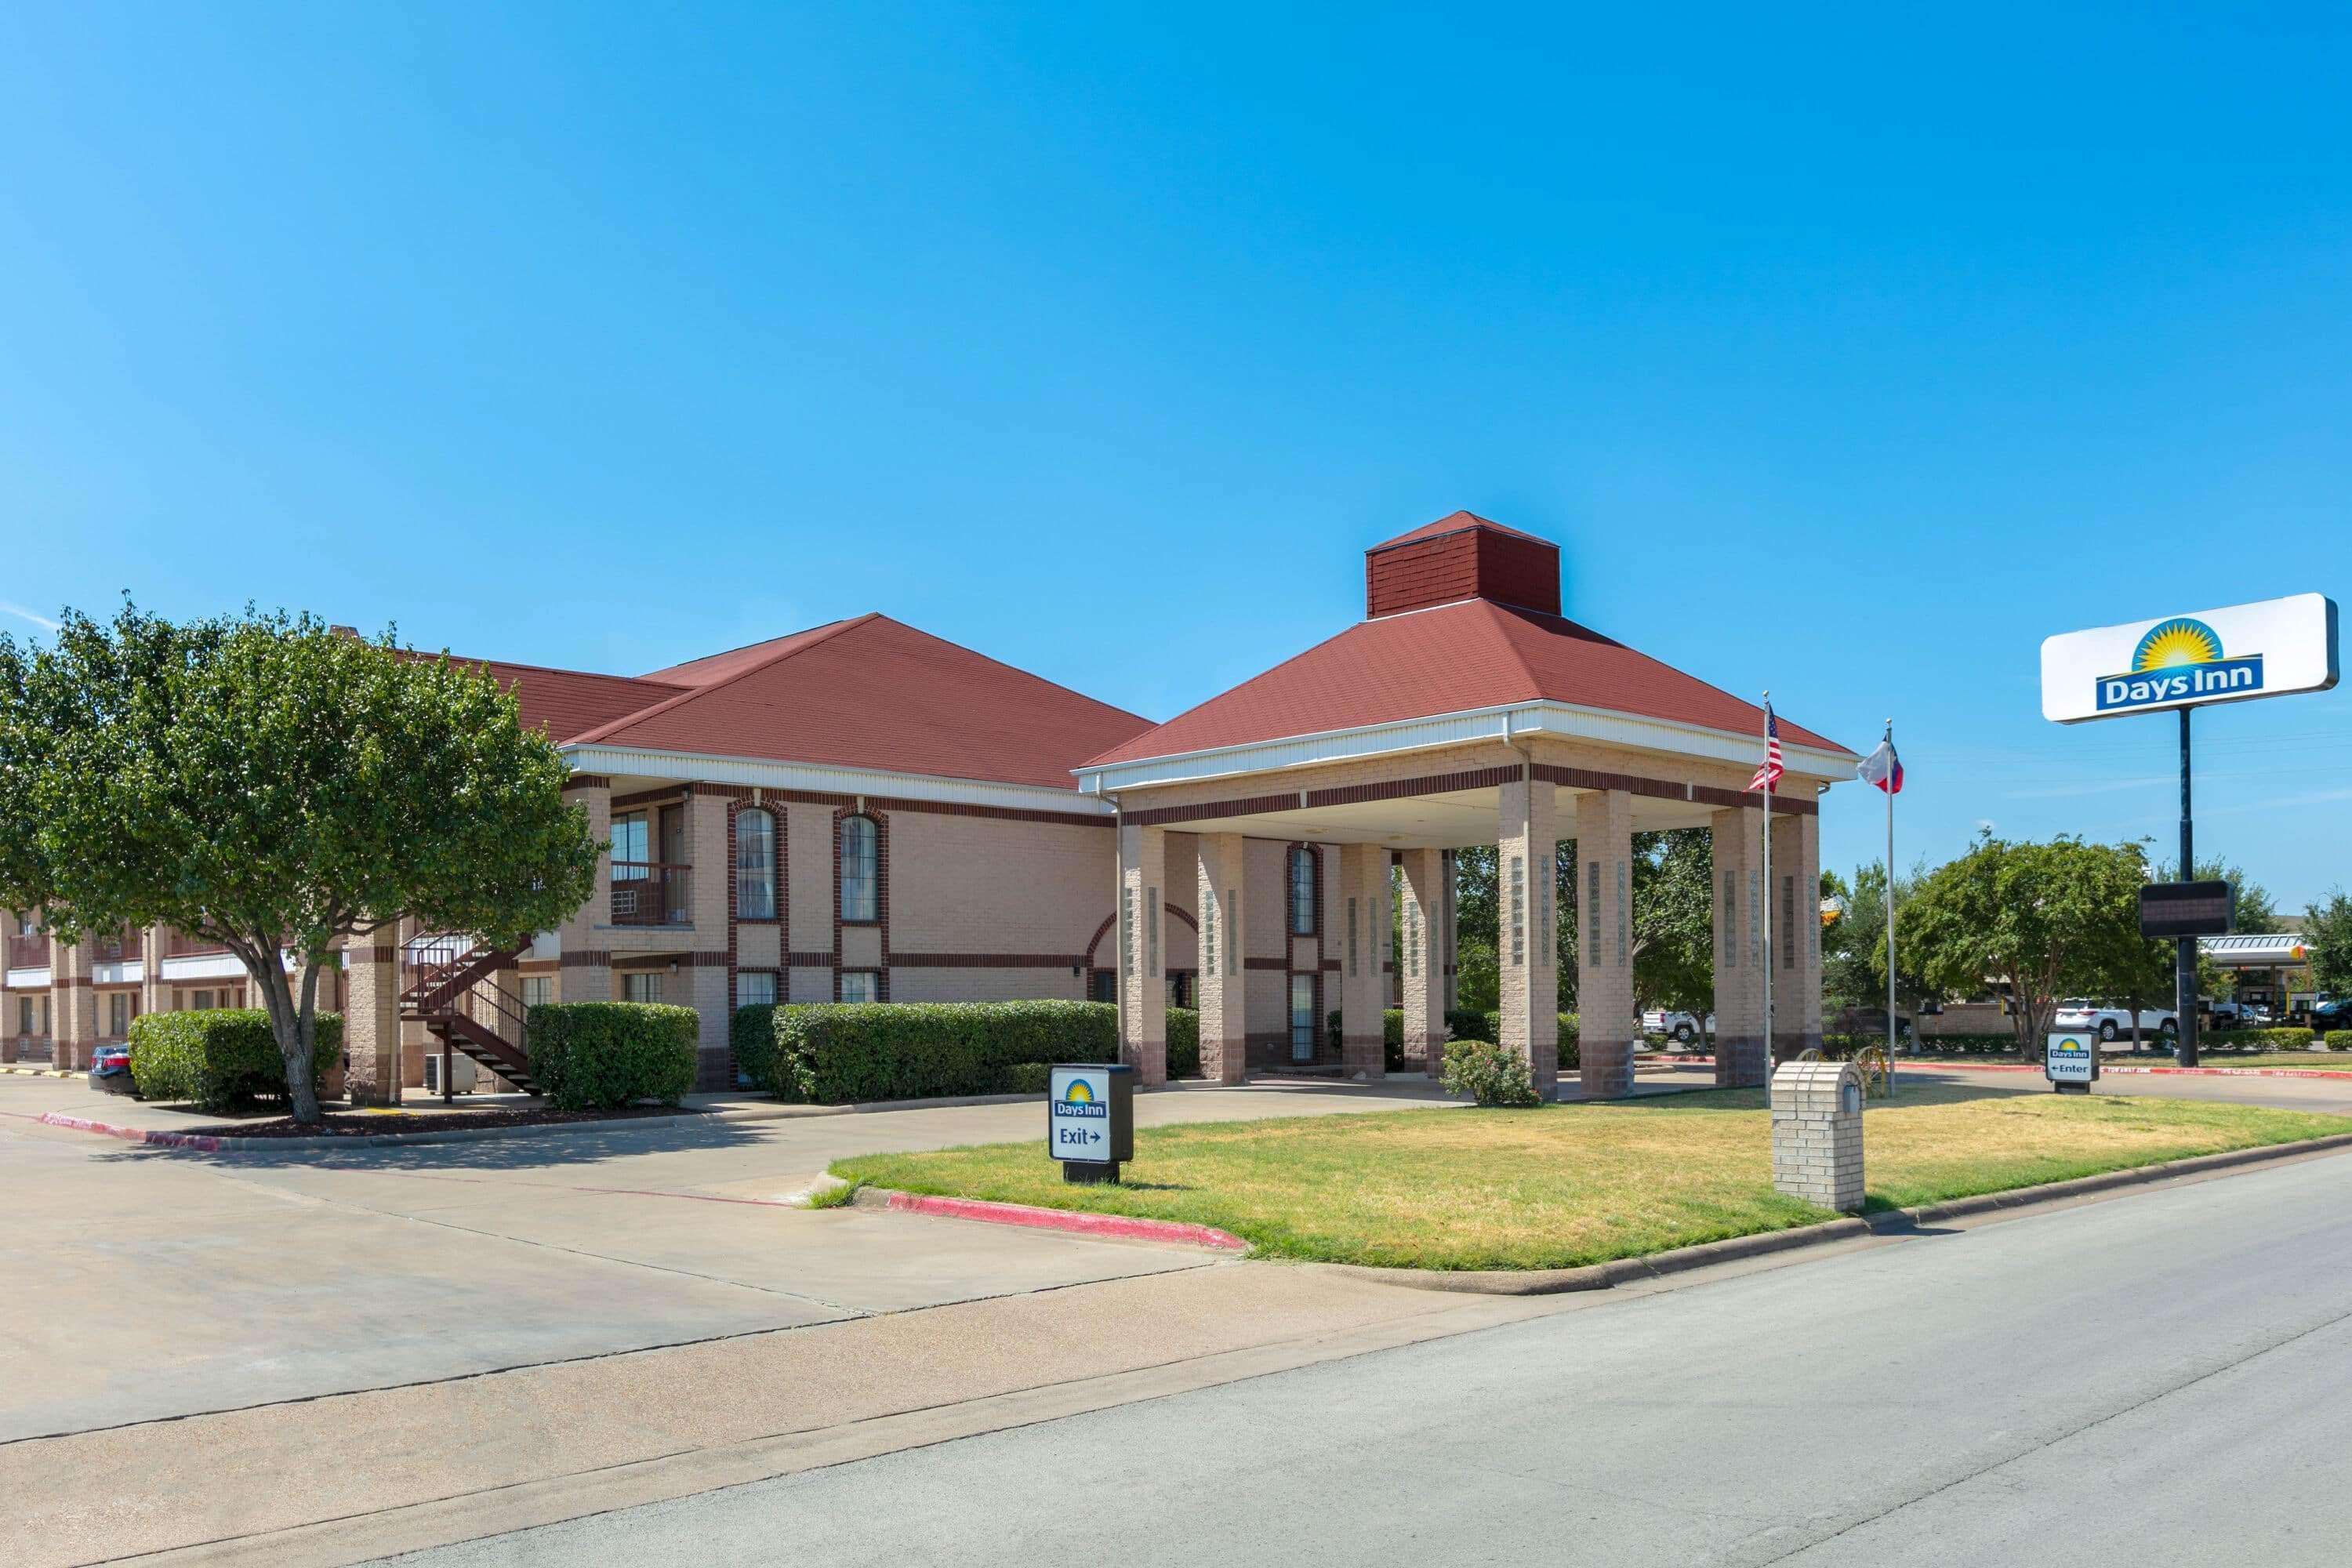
pixel 139 1283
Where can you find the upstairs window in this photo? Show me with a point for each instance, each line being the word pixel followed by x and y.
pixel 629 849
pixel 858 886
pixel 755 866
pixel 1303 868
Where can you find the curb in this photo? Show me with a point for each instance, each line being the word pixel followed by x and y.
pixel 1115 1226
pixel 1622 1270
pixel 229 1143
pixel 1903 1063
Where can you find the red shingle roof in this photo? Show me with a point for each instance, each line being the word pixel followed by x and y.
pixel 1450 660
pixel 565 701
pixel 876 693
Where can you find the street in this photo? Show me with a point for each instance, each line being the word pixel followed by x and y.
pixel 2156 1378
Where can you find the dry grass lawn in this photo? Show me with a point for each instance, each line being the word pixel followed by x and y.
pixel 1562 1186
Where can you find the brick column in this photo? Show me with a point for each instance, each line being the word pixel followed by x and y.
pixel 1604 953
pixel 1363 939
pixel 713 876
pixel 1142 976
pixel 1421 961
pixel 1225 1023
pixel 1527 841
pixel 153 998
pixel 587 971
pixel 73 1027
pixel 1738 951
pixel 373 1069
pixel 1796 934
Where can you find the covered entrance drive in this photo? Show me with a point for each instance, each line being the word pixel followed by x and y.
pixel 1463 710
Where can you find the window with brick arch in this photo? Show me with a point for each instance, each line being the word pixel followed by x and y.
pixel 755 865
pixel 859 882
pixel 1304 887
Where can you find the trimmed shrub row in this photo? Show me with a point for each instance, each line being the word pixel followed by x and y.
pixel 1968 1045
pixel 2279 1040
pixel 222 1058
pixel 600 1055
pixel 2338 1039
pixel 845 1053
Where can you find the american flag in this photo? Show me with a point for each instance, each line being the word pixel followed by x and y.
pixel 1769 773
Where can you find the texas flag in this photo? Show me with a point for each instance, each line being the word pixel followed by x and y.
pixel 1883 767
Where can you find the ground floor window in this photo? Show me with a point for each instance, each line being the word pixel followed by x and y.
pixel 860 985
pixel 1102 986
pixel 203 1002
pixel 537 989
pixel 645 986
pixel 25 1016
pixel 1302 1017
pixel 118 1015
pixel 755 988
pixel 1180 988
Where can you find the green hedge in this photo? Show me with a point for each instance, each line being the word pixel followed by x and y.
pixel 1469 1024
pixel 1968 1045
pixel 598 1056
pixel 1184 1043
pixel 2338 1039
pixel 2281 1039
pixel 222 1057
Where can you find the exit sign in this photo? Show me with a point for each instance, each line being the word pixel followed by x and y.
pixel 2187 908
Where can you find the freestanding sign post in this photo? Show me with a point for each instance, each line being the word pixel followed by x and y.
pixel 2272 649
pixel 2071 1058
pixel 1090 1120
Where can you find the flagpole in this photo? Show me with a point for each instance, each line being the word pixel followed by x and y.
pixel 1890 923
pixel 1767 900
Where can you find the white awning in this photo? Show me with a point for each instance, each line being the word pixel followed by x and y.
pixel 2280 950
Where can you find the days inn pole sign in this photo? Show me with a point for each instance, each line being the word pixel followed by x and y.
pixel 2268 649
pixel 2272 648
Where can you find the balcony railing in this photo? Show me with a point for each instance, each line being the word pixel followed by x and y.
pixel 115 946
pixel 179 944
pixel 650 893
pixel 28 951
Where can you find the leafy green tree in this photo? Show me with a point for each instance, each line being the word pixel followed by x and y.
pixel 2045 919
pixel 271 786
pixel 1674 919
pixel 1854 949
pixel 2328 932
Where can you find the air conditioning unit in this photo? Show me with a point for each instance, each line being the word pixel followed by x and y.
pixel 463 1072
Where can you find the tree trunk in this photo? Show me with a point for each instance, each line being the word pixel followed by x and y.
pixel 295 1027
pixel 2133 1003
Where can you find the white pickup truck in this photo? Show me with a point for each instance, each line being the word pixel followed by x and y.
pixel 1683 1027
pixel 2077 1015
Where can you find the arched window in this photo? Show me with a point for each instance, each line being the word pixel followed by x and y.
pixel 1302 891
pixel 755 866
pixel 857 869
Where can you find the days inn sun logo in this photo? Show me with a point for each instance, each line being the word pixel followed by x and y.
pixel 1078 1100
pixel 1078 1093
pixel 2179 660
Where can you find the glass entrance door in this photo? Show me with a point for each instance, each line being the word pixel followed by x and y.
pixel 1302 1017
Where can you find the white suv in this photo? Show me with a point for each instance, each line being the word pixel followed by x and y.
pixel 1683 1027
pixel 2078 1016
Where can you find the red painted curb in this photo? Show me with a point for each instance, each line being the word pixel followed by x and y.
pixel 1125 1226
pixel 135 1134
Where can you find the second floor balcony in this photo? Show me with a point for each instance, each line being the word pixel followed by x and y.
pixel 651 893
pixel 28 951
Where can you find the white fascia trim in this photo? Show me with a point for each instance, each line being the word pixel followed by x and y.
pixel 28 980
pixel 1509 722
pixel 118 972
pixel 216 967
pixel 702 767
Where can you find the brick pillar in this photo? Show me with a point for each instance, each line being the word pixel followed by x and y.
pixel 1362 941
pixel 73 1026
pixel 1142 976
pixel 1738 951
pixel 372 1072
pixel 1224 1025
pixel 152 996
pixel 713 876
pixel 1421 961
pixel 1604 955
pixel 587 962
pixel 1796 933
pixel 1527 841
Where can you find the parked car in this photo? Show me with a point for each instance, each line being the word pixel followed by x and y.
pixel 2331 1013
pixel 110 1070
pixel 2079 1014
pixel 2237 1015
pixel 1683 1027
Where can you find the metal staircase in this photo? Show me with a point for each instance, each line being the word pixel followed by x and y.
pixel 455 996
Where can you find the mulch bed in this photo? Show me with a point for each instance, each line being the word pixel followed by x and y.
pixel 365 1124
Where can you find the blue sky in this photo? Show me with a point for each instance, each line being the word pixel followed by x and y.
pixel 1845 353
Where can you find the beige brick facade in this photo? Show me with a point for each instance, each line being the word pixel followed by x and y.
pixel 1527 844
pixel 1604 1001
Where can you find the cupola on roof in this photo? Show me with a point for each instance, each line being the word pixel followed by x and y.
pixel 1461 556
